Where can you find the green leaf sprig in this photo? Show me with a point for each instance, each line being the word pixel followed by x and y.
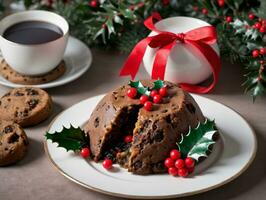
pixel 196 142
pixel 69 138
pixel 146 90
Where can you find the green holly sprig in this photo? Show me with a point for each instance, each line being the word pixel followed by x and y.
pixel 196 142
pixel 69 138
pixel 146 90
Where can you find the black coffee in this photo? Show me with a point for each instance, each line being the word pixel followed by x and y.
pixel 32 32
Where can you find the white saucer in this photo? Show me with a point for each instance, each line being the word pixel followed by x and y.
pixel 238 153
pixel 78 59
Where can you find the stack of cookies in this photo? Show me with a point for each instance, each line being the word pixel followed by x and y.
pixel 20 107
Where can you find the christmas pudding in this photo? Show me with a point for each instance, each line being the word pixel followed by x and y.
pixel 138 133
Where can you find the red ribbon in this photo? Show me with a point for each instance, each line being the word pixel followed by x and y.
pixel 200 38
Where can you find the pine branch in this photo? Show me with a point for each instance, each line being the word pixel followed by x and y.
pixel 255 79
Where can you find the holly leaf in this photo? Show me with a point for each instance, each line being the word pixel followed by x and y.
pixel 140 88
pixel 118 20
pixel 69 138
pixel 110 27
pixel 253 45
pixel 158 84
pixel 255 35
pixel 126 12
pixel 196 143
pixel 239 26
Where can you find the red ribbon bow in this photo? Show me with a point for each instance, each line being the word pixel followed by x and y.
pixel 200 38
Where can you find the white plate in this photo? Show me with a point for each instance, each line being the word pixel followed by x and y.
pixel 238 138
pixel 78 59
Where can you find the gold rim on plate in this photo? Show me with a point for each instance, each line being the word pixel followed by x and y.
pixel 155 197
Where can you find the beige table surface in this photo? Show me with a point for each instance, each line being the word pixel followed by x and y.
pixel 36 178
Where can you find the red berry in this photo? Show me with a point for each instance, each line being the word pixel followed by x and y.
pixel 220 3
pixel 165 2
pixel 190 170
pixel 157 99
pixel 132 93
pixel 169 162
pixel 255 53
pixel 50 3
pixel 204 11
pixel 93 3
pixel 128 139
pixel 173 171
pixel 182 172
pixel 195 8
pixel 262 29
pixel 107 164
pixel 179 164
pixel 189 162
pixel 257 25
pixel 228 19
pixel 260 19
pixel 148 105
pixel 251 16
pixel 263 22
pixel 175 154
pixel 153 93
pixel 143 99
pixel 163 92
pixel 85 152
pixel 262 51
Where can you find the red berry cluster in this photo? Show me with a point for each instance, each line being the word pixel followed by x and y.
pixel 259 24
pixel 257 52
pixel 204 11
pixel 177 166
pixel 156 96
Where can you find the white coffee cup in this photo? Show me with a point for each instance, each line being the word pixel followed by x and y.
pixel 34 59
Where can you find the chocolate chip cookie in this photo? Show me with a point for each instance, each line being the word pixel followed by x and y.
pixel 13 143
pixel 11 75
pixel 26 106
